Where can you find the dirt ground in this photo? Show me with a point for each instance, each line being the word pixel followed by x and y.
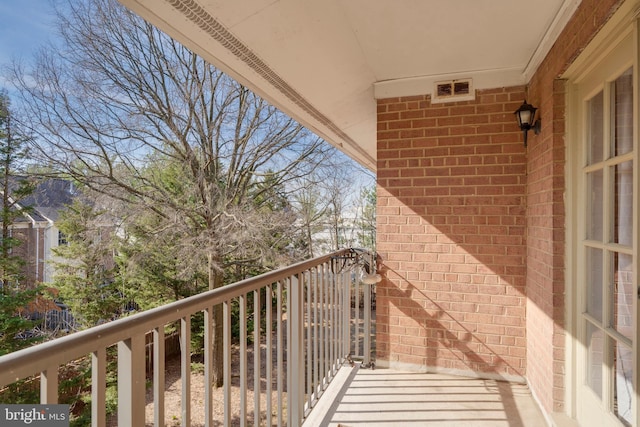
pixel 173 394
pixel 173 391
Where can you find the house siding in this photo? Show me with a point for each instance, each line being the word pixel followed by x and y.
pixel 471 227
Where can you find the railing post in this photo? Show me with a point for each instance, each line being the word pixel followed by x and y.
pixel 309 337
pixel 335 320
pixel 242 303
pixel 98 387
pixel 269 353
pixel 185 369
pixel 208 366
pixel 354 317
pixel 295 361
pixel 256 357
pixel 49 385
pixel 226 337
pixel 345 279
pixel 158 375
pixel 367 324
pixel 131 382
pixel 280 352
pixel 324 347
pixel 315 384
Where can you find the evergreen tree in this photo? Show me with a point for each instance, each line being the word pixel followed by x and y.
pixel 150 269
pixel 15 293
pixel 367 220
pixel 157 260
pixel 84 274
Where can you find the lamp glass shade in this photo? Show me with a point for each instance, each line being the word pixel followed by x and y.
pixel 371 279
pixel 525 115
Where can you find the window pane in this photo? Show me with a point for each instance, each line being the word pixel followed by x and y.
pixel 595 343
pixel 595 110
pixel 623 204
pixel 622 92
pixel 623 380
pixel 623 294
pixel 594 283
pixel 595 208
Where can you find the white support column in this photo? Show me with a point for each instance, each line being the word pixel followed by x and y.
pixel 131 382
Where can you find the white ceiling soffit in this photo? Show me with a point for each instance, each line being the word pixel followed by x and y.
pixel 324 62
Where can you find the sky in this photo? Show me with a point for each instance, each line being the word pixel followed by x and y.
pixel 25 25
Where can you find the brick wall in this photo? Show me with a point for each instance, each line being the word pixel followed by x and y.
pixel 471 228
pixel 457 195
pixel 451 234
pixel 26 250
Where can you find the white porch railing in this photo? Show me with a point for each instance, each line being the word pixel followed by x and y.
pixel 322 316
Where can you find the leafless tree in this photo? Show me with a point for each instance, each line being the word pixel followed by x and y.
pixel 328 208
pixel 338 189
pixel 117 101
pixel 311 209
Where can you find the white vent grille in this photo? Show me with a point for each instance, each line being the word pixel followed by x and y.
pixel 453 90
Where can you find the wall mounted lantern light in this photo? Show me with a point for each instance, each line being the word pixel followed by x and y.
pixel 526 115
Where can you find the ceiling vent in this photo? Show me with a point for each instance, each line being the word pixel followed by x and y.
pixel 453 90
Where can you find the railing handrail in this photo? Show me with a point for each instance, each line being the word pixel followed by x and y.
pixel 27 362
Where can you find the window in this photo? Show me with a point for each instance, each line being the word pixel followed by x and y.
pixel 62 239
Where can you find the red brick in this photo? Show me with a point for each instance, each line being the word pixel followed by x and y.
pixel 458 184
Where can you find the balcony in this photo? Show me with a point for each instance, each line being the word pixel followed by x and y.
pixel 310 360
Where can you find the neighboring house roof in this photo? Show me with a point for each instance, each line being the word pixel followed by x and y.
pixel 49 198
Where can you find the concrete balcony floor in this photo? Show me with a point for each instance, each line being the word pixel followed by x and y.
pixel 386 397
